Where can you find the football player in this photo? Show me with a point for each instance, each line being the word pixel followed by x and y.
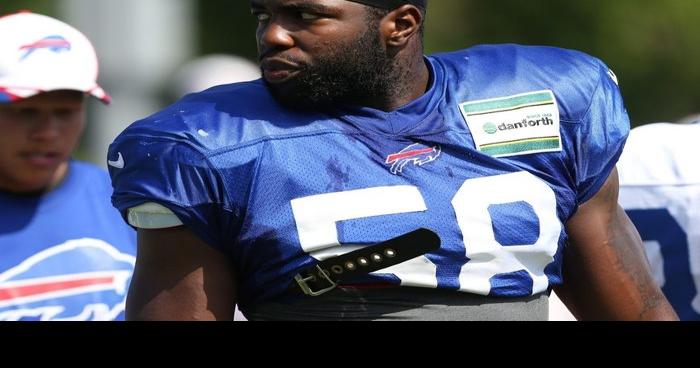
pixel 278 194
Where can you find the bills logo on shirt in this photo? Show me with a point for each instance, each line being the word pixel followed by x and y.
pixel 40 288
pixel 416 154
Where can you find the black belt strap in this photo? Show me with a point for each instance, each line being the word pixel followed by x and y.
pixel 325 275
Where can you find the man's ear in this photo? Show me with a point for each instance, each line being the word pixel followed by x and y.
pixel 400 25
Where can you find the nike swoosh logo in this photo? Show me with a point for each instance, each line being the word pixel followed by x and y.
pixel 119 164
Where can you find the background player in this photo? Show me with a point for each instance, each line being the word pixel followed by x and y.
pixel 660 190
pixel 64 252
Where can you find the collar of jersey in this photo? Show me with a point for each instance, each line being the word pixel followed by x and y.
pixel 407 119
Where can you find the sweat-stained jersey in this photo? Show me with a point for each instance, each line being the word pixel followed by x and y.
pixel 66 254
pixel 660 190
pixel 495 157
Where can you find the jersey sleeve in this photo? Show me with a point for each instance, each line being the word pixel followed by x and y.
pixel 152 216
pixel 172 174
pixel 602 133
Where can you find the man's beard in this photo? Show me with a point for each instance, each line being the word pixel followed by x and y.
pixel 349 74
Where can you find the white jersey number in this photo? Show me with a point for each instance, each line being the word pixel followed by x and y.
pixel 316 218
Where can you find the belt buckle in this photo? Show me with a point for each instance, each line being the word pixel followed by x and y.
pixel 302 282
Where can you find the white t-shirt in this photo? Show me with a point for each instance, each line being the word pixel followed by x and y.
pixel 660 190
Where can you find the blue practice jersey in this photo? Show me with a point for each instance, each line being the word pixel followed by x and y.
pixel 65 255
pixel 495 158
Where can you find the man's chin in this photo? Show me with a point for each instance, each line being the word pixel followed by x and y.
pixel 279 77
pixel 292 96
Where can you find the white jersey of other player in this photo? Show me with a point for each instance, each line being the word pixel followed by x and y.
pixel 660 191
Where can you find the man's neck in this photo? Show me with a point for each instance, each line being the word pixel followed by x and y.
pixel 411 83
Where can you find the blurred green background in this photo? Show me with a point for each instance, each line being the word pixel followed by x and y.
pixel 651 45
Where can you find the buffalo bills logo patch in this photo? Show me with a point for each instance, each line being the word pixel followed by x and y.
pixel 55 44
pixel 416 154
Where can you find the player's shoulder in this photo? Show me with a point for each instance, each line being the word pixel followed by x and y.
pixel 667 138
pixel 222 117
pixel 490 71
pixel 91 172
pixel 509 56
pixel 665 133
pixel 661 154
pixel 89 178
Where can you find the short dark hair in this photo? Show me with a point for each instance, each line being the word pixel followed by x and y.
pixel 375 14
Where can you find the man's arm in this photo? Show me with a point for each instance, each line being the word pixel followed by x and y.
pixel 179 277
pixel 606 273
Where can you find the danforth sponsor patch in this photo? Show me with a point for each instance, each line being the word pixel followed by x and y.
pixel 515 125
